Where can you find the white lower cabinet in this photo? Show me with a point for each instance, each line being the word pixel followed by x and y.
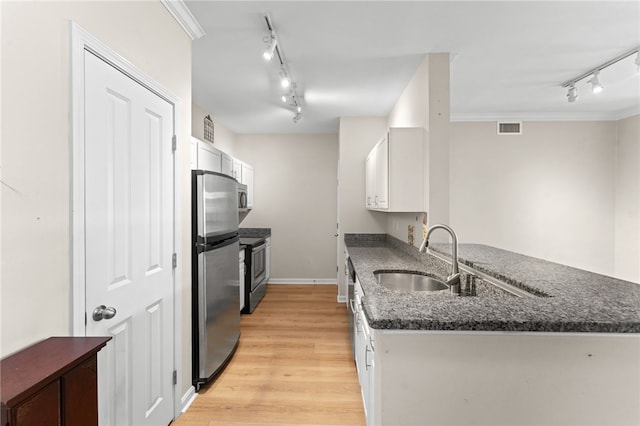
pixel 420 377
pixel 365 356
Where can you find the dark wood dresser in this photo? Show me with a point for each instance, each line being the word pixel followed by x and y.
pixel 53 382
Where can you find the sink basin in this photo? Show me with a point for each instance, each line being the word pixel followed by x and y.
pixel 409 281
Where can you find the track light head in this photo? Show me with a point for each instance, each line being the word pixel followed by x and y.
pixel 596 86
pixel 285 81
pixel 297 117
pixel 271 46
pixel 572 93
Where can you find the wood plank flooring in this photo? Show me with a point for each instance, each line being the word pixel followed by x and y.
pixel 293 366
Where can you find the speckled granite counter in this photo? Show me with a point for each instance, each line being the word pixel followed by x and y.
pixel 578 301
pixel 255 232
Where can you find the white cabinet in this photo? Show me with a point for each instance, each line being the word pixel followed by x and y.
pixel 364 353
pixel 237 169
pixel 377 175
pixel 394 172
pixel 204 156
pixel 267 259
pixel 247 179
pixel 227 164
pixel 242 271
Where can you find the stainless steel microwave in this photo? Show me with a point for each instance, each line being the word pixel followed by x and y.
pixel 242 197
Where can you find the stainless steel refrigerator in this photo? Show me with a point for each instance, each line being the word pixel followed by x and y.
pixel 215 273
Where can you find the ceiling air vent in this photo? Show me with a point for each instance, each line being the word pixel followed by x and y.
pixel 511 128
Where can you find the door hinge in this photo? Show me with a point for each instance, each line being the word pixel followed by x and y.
pixel 174 143
pixel 337 268
pixel 85 319
pixel 174 260
pixel 175 377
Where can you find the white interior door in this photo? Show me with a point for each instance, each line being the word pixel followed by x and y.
pixel 129 244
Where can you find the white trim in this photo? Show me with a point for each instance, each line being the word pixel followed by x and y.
pixel 187 399
pixel 559 116
pixel 302 281
pixel 342 299
pixel 184 17
pixel 82 40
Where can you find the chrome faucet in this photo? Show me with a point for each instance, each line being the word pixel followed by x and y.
pixel 453 280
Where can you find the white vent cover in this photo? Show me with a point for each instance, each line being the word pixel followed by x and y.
pixel 510 128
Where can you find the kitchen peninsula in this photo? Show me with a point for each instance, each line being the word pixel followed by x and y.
pixel 565 353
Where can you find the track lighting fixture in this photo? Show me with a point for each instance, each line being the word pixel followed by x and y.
pixel 572 93
pixel 596 86
pixel 274 49
pixel 285 81
pixel 271 46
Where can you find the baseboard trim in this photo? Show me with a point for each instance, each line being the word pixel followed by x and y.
pixel 342 299
pixel 302 281
pixel 188 398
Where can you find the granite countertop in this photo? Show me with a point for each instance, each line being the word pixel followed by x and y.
pixel 569 299
pixel 255 232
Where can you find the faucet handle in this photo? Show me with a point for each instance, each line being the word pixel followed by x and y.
pixel 470 285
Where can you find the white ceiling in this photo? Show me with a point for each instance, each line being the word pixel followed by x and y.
pixel 509 59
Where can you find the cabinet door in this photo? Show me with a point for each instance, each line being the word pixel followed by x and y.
pixel 209 158
pixel 81 394
pixel 361 362
pixel 247 179
pixel 382 174
pixel 42 409
pixel 227 165
pixel 370 179
pixel 237 169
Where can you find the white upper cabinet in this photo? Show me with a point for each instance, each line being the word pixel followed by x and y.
pixel 247 179
pixel 394 172
pixel 227 164
pixel 204 156
pixel 237 169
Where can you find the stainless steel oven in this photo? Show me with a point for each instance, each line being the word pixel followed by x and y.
pixel 256 272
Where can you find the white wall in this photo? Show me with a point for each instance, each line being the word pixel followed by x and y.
pixel 627 200
pixel 425 103
pixel 547 193
pixel 223 138
pixel 36 279
pixel 295 196
pixel 357 136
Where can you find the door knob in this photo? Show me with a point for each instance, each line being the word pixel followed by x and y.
pixel 102 312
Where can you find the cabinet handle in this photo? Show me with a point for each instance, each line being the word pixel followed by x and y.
pixel 366 357
pixel 376 200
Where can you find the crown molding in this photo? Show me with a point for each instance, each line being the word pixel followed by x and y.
pixel 184 17
pixel 558 116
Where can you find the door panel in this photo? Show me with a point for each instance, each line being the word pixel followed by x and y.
pixel 129 243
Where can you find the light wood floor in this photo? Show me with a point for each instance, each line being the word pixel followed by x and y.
pixel 293 366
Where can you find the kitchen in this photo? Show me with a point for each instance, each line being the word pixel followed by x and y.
pixel 307 166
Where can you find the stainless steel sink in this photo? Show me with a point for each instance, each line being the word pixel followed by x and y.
pixel 409 281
